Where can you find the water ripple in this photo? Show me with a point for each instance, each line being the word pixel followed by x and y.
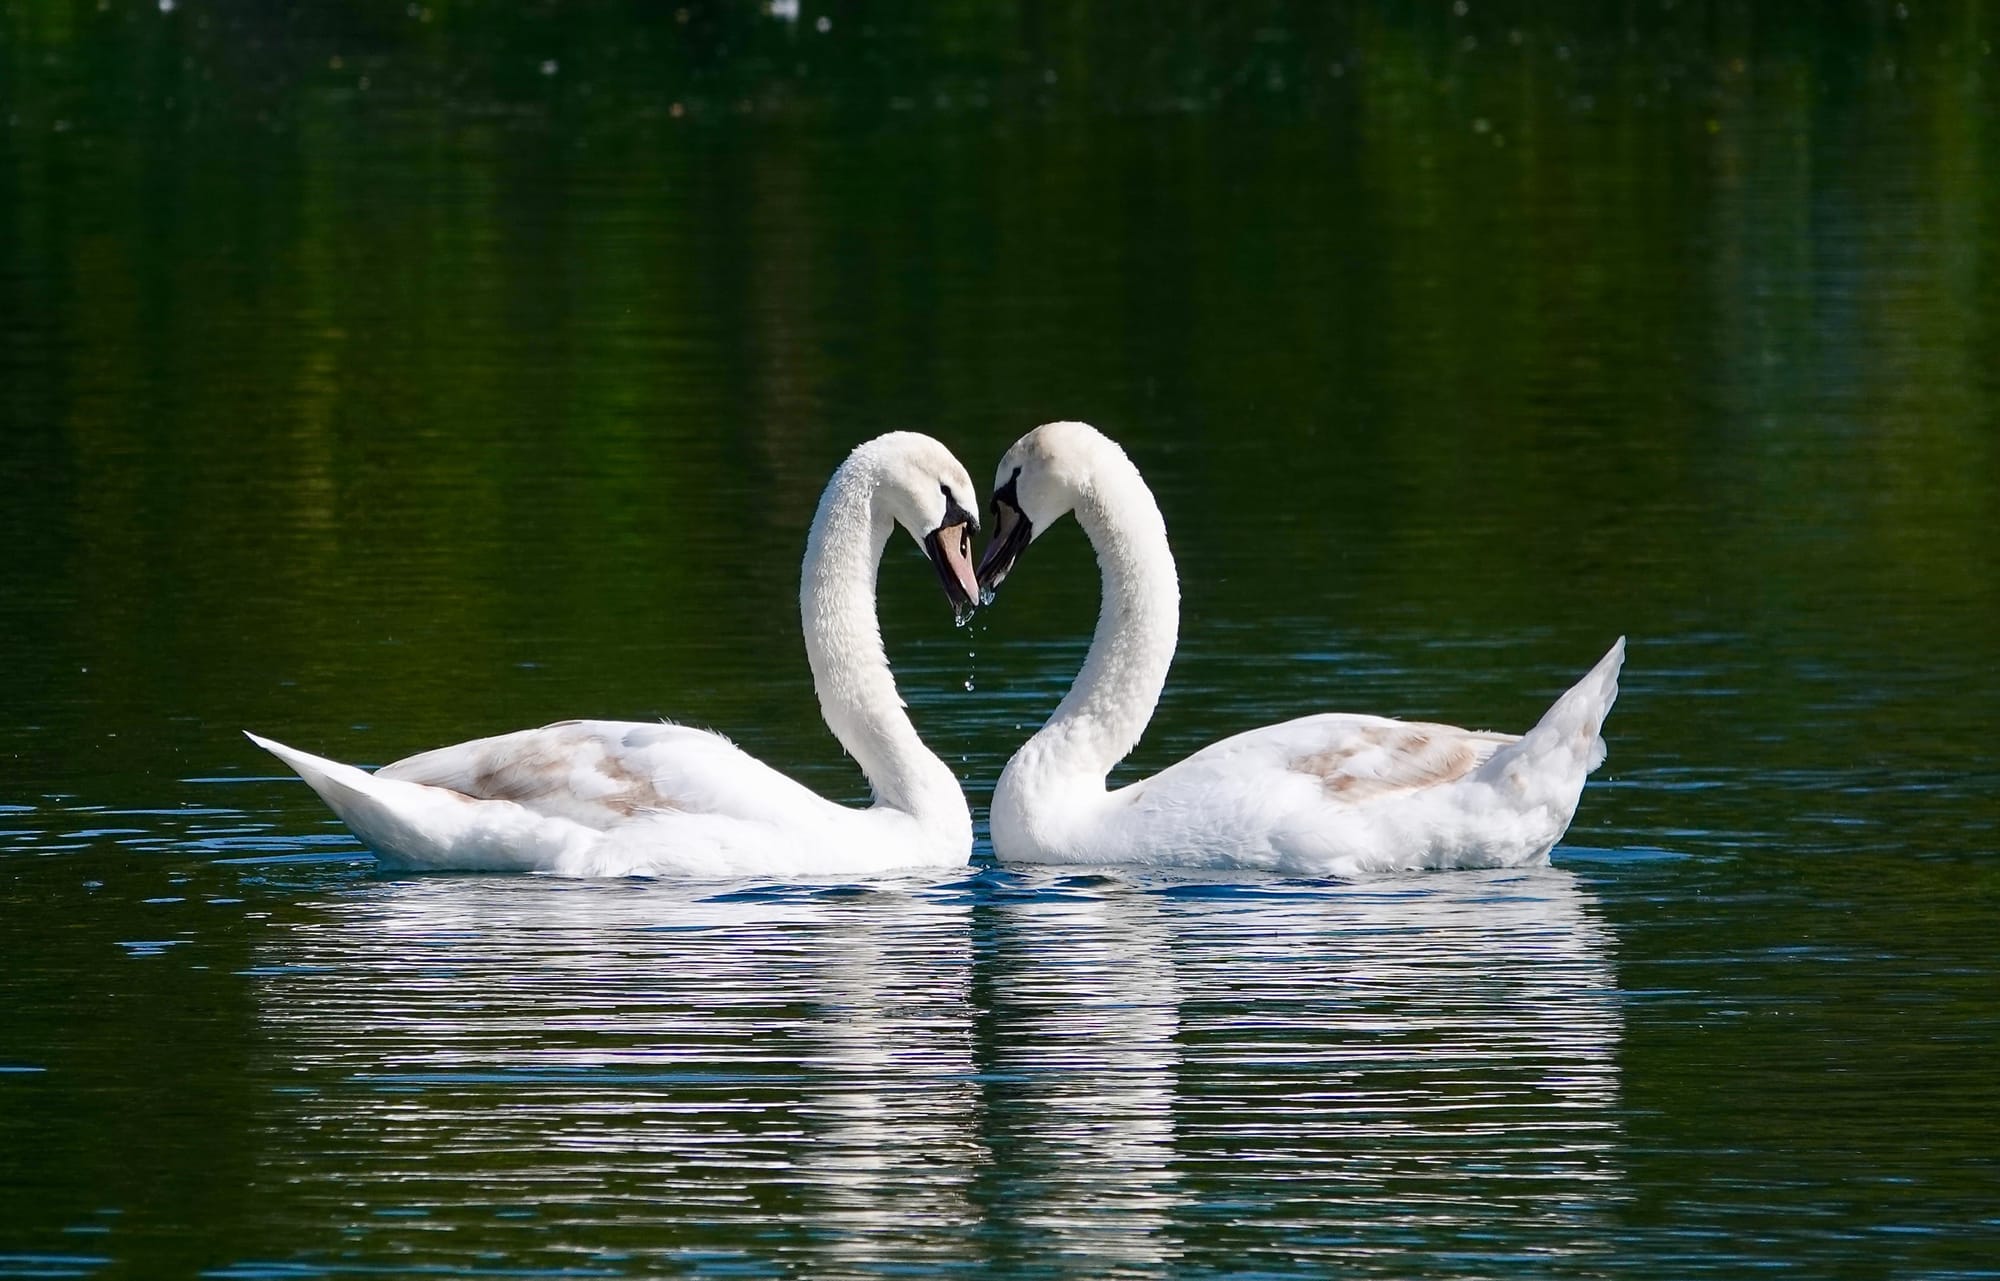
pixel 1094 1065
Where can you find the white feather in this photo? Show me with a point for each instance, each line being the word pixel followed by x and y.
pixel 617 798
pixel 1325 795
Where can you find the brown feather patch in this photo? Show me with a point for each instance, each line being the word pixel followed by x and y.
pixel 1379 760
pixel 533 779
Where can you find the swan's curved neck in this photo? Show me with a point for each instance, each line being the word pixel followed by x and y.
pixel 857 692
pixel 1138 623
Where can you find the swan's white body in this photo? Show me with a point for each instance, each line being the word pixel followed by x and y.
pixel 1327 795
pixel 617 798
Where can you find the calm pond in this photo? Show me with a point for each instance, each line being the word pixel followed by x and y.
pixel 381 379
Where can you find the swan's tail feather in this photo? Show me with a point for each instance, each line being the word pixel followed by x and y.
pixel 342 787
pixel 417 825
pixel 1548 764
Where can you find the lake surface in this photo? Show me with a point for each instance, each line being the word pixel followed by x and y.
pixel 380 380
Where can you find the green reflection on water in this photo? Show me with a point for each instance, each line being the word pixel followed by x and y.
pixel 381 378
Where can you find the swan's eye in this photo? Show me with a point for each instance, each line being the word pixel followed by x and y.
pixel 954 513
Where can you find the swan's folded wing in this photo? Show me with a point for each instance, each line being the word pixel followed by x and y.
pixel 1358 758
pixel 600 773
pixel 1349 758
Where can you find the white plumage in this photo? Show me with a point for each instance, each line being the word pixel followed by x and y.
pixel 617 798
pixel 1325 795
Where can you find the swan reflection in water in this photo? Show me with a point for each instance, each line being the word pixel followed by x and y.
pixel 1195 1068
pixel 790 1067
pixel 1132 1069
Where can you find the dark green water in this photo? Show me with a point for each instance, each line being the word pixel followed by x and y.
pixel 383 378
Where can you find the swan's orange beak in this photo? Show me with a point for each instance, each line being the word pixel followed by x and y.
pixel 950 550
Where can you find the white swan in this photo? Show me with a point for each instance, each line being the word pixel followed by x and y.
pixel 1326 795
pixel 613 798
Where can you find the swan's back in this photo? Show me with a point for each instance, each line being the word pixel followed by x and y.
pixel 1283 796
pixel 604 773
pixel 1355 758
pixel 1327 795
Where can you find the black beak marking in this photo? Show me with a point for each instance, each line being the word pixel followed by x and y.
pixel 1012 531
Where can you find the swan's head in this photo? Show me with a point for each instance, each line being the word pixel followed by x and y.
pixel 929 493
pixel 1039 481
